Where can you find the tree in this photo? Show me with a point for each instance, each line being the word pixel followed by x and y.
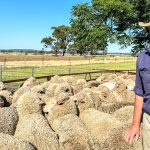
pixel 47 41
pixel 62 37
pixel 88 34
pixel 122 17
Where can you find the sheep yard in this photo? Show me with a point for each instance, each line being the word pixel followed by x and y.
pixel 66 113
pixel 72 112
pixel 18 66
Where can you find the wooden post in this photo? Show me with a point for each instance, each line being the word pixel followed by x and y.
pixel 33 71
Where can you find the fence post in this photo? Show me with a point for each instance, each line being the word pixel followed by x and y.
pixel 69 71
pixel 33 71
pixel 1 73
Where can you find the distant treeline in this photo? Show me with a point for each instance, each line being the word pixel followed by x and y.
pixel 49 52
pixel 23 51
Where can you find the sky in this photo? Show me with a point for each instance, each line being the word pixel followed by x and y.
pixel 23 23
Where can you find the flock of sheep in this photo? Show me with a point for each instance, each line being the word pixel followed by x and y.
pixel 68 114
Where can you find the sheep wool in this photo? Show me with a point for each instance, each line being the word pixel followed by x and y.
pixel 32 126
pixel 31 82
pixel 19 92
pixel 98 123
pixel 2 101
pixel 8 97
pixel 9 142
pixel 2 87
pixel 72 133
pixel 8 120
pixel 58 110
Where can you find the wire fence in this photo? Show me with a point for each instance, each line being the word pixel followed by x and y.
pixel 42 61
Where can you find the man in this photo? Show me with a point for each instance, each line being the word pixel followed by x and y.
pixel 142 99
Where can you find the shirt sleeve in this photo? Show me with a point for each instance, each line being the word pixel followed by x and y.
pixel 138 89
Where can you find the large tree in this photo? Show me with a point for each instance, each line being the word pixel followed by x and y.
pixel 122 17
pixel 110 21
pixel 62 37
pixel 88 34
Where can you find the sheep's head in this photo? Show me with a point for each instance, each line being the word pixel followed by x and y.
pixel 29 103
pixel 64 88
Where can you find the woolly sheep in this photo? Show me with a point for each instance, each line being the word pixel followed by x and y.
pixel 7 95
pixel 58 110
pixel 30 82
pixel 124 114
pixel 56 79
pixel 8 120
pixel 46 84
pixel 2 101
pixel 112 107
pixel 63 88
pixel 108 95
pixel 98 123
pixel 9 142
pixel 79 85
pixel 115 141
pixel 70 80
pixel 72 133
pixel 91 84
pixel 38 89
pixel 107 129
pixel 51 89
pixel 18 93
pixel 84 100
pixel 2 87
pixel 32 126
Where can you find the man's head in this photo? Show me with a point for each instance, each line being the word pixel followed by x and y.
pixel 146 25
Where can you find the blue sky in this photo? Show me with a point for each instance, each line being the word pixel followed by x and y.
pixel 23 23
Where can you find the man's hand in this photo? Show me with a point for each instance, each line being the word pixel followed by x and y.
pixel 132 134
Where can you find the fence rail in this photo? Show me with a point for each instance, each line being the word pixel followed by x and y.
pixel 48 77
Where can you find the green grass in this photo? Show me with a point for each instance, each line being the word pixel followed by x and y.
pixel 18 73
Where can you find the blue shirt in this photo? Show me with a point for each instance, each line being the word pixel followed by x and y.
pixel 142 82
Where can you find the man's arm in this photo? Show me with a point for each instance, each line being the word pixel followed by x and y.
pixel 133 132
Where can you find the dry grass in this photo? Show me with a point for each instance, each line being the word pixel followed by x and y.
pixel 22 60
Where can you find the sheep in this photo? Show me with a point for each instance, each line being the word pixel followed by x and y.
pixel 79 85
pixel 32 125
pixel 84 100
pixel 112 107
pixel 8 120
pixel 9 142
pixel 2 101
pixel 2 87
pixel 18 93
pixel 119 91
pixel 64 88
pixel 98 123
pixel 38 89
pixel 30 82
pixel 91 84
pixel 124 114
pixel 70 80
pixel 51 89
pixel 56 79
pixel 72 133
pixel 55 110
pixel 46 84
pixel 7 96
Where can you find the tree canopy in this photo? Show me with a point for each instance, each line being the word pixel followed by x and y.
pixel 94 25
pixel 60 39
pixel 114 21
